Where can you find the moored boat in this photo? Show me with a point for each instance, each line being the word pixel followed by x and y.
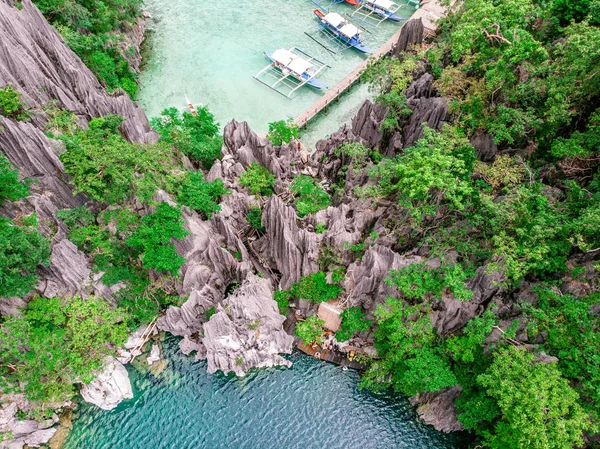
pixel 342 29
pixel 384 8
pixel 292 64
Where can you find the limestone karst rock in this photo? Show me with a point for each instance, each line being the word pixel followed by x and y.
pixel 109 388
pixel 247 331
pixel 37 62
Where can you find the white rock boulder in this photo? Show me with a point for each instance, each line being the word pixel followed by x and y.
pixel 110 387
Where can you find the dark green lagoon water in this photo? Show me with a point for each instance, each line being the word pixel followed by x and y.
pixel 313 405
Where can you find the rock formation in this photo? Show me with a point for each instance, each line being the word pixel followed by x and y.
pixel 247 331
pixel 109 388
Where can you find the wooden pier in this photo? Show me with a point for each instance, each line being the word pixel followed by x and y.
pixel 429 12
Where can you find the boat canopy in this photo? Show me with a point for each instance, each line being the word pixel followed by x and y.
pixel 283 56
pixel 334 19
pixel 292 61
pixel 384 4
pixel 299 65
pixel 349 30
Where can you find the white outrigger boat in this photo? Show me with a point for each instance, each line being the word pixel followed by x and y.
pixel 336 34
pixel 290 70
pixel 374 12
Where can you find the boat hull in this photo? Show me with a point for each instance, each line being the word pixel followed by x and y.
pixel 313 82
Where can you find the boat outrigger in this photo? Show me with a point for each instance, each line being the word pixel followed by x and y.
pixel 341 30
pixel 373 12
pixel 290 70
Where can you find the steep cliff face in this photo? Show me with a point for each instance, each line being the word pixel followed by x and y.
pixel 36 61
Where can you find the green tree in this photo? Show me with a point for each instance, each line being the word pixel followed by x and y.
pixel 310 197
pixel 154 239
pixel 353 320
pixel 200 195
pixel 435 171
pixel 94 29
pixel 108 168
pixel 258 179
pixel 410 360
pixel 196 136
pixel 281 132
pixel 22 249
pixel 56 343
pixel 282 297
pixel 10 103
pixel 11 188
pixel 315 288
pixel 311 330
pixel 539 408
pixel 254 217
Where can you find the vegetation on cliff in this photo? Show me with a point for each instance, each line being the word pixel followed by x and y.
pixel 94 30
pixel 525 74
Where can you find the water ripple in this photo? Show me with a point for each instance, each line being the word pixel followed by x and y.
pixel 313 405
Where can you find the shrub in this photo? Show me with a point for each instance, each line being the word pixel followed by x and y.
pixel 258 179
pixel 22 249
pixel 10 103
pixel 94 30
pixel 315 288
pixel 108 168
pixel 353 320
pixel 200 195
pixel 282 132
pixel 539 408
pixel 154 237
pixel 311 330
pixel 56 343
pixel 254 218
pixel 310 197
pixel 195 136
pixel 282 297
pixel 10 187
pixel 76 218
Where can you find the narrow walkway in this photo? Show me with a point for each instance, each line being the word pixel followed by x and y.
pixel 429 11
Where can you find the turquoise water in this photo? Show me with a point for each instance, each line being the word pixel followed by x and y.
pixel 210 51
pixel 313 405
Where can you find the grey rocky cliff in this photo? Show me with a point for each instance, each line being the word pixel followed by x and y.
pixel 437 409
pixel 247 331
pixel 36 61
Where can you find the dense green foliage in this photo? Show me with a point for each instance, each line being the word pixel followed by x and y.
pixel 200 195
pixel 315 288
pixel 10 103
pixel 282 132
pixel 353 320
pixel 258 179
pixel 310 197
pixel 418 281
pixel 311 330
pixel 11 188
pixel 539 408
pixel 108 168
pixel 56 343
pixel 22 249
pixel 524 72
pixel 254 218
pixel 282 297
pixel 154 238
pixel 410 361
pixel 94 30
pixel 196 136
pixel 429 174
